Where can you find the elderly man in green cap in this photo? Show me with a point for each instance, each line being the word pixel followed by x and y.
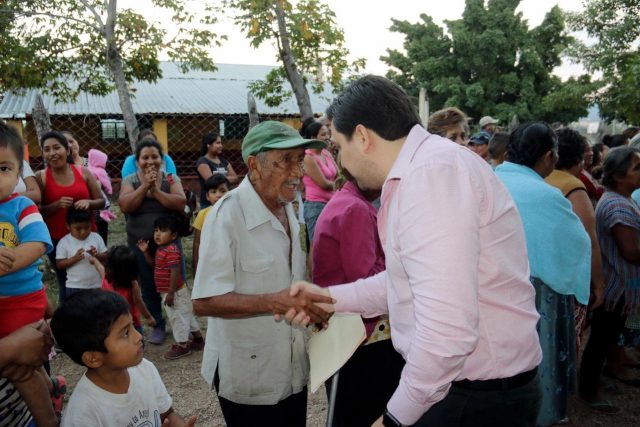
pixel 250 252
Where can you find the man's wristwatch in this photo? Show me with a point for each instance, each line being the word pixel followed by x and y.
pixel 388 420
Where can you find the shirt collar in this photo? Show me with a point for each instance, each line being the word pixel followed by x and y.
pixel 412 143
pixel 255 211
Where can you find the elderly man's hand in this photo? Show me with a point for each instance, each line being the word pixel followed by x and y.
pixel 303 303
pixel 29 345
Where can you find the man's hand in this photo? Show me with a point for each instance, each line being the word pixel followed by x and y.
pixel 7 258
pixel 17 373
pixel 304 303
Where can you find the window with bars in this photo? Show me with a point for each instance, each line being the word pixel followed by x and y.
pixel 113 130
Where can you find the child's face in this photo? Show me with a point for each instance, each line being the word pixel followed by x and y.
pixel 80 230
pixel 214 194
pixel 9 171
pixel 124 344
pixel 164 237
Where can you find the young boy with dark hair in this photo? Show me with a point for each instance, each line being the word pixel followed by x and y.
pixel 75 250
pixel 215 187
pixel 170 284
pixel 120 388
pixel 24 238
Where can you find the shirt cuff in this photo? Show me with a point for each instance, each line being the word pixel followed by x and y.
pixel 401 406
pixel 346 297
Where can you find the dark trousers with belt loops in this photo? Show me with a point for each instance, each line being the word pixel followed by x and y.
pixel 512 402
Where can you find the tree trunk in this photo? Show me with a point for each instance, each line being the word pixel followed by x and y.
pixel 40 117
pixel 114 60
pixel 253 110
pixel 124 97
pixel 289 62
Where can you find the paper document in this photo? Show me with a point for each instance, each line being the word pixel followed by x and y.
pixel 330 348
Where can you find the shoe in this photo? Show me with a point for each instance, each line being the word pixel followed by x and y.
pixel 177 351
pixel 196 344
pixel 157 336
pixel 57 394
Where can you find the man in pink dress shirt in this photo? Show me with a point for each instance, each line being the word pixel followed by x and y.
pixel 456 285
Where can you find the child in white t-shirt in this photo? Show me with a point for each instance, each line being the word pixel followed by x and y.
pixel 120 387
pixel 75 250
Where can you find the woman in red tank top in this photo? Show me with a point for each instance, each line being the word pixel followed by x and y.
pixel 63 185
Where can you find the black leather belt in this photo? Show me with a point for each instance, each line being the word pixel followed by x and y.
pixel 500 384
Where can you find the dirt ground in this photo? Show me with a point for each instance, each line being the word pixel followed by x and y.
pixel 192 396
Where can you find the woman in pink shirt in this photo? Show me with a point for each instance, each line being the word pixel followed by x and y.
pixel 319 176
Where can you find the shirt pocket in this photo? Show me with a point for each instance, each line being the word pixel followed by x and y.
pixel 256 264
pixel 254 370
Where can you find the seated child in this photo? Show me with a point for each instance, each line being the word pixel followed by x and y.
pixel 120 274
pixel 24 238
pixel 168 277
pixel 215 186
pixel 76 248
pixel 120 388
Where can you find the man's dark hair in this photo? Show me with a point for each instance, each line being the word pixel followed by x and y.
pixel 83 322
pixel 529 142
pixel 613 141
pixel 215 181
pixel 616 165
pixel 498 144
pixel 571 148
pixel 147 134
pixel 10 138
pixel 376 103
pixel 167 222
pixel 78 215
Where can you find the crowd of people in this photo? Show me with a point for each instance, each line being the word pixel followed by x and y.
pixel 497 273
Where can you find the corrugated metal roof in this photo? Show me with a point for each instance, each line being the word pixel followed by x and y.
pixel 197 92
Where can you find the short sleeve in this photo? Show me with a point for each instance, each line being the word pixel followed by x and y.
pixel 131 179
pixel 31 226
pixel 26 170
pixel 172 257
pixel 62 250
pixel 163 399
pixel 620 212
pixel 169 165
pixel 199 221
pixel 100 246
pixel 129 167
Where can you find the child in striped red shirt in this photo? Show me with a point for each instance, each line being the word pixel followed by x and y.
pixel 170 284
pixel 24 238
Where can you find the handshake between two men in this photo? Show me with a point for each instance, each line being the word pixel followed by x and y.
pixel 303 303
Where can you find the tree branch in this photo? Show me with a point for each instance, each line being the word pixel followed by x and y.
pixel 94 11
pixel 51 15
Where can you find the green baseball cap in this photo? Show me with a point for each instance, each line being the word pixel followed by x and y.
pixel 272 135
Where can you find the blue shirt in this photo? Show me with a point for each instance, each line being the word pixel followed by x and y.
pixel 130 166
pixel 21 222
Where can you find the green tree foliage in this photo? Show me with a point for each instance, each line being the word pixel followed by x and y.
pixel 614 51
pixel 311 47
pixel 65 47
pixel 490 63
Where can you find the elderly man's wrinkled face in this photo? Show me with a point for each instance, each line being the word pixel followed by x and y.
pixel 278 175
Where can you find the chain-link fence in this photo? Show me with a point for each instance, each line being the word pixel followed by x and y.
pixel 182 134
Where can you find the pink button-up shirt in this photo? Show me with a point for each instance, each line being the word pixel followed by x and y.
pixel 457 284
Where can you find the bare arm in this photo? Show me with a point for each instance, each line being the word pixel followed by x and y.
pixel 627 241
pixel 584 210
pixel 64 263
pixel 312 170
pixel 23 255
pixel 96 201
pixel 172 419
pixel 33 190
pixel 204 171
pixel 233 305
pixel 139 302
pixel 196 249
pixel 232 176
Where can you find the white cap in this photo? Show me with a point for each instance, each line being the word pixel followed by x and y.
pixel 488 120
